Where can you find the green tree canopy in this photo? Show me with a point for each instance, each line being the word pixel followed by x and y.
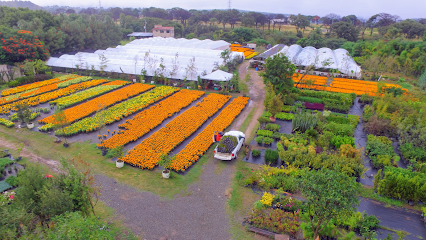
pixel 329 194
pixel 279 72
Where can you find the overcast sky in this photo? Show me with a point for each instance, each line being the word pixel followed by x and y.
pixel 361 8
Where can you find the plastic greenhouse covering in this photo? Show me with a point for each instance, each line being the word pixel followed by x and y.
pixel 322 58
pixel 174 56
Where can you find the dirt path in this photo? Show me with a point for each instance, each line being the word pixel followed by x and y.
pixel 257 95
pixel 52 164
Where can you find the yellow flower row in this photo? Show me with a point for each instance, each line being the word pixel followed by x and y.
pixel 88 94
pixel 87 108
pixel 33 101
pixel 40 90
pixel 36 85
pixel 201 143
pixel 118 112
pixel 148 152
pixel 150 118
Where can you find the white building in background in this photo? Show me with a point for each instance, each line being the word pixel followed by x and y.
pixel 175 54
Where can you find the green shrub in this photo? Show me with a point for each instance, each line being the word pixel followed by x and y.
pixel 353 120
pixel 340 129
pixel 366 99
pixel 12 180
pixel 265 133
pixel 403 184
pixel 13 83
pixel 259 139
pixel 309 99
pixel 255 153
pixel 273 127
pixel 284 116
pixel 268 140
pixel 413 153
pixel 338 140
pixel 338 119
pixel 5 162
pixel 280 147
pixel 277 135
pixel 286 108
pixel 263 120
pixel 271 157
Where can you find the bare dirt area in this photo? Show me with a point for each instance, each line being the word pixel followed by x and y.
pixel 52 164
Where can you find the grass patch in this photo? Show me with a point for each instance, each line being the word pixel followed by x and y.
pixel 247 121
pixel 124 42
pixel 146 180
pixel 369 193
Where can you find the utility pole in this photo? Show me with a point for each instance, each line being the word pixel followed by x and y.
pixel 229 4
pixel 100 6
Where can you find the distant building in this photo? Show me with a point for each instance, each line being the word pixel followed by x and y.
pixel 139 35
pixel 165 32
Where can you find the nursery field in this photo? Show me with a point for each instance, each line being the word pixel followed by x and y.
pixel 145 120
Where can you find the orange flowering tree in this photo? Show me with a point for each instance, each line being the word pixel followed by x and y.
pixel 19 45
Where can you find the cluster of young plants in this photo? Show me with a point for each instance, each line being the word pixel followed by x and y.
pixel 271 157
pixel 336 102
pixel 380 151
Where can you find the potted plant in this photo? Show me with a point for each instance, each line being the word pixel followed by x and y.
pixel 259 140
pixel 30 125
pixel 117 153
pixel 255 153
pixel 166 161
pixel 275 106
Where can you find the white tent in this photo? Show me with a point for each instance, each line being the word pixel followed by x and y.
pixel 173 58
pixel 322 58
pixel 218 75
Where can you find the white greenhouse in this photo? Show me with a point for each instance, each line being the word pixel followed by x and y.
pixel 322 58
pixel 172 58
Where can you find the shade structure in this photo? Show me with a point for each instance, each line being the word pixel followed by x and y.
pixel 322 58
pixel 218 75
pixel 169 57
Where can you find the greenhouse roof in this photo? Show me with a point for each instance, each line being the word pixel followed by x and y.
pixel 174 58
pixel 322 58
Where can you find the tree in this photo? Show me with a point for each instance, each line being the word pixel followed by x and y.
pixel 279 72
pixel 345 30
pixel 300 22
pixel 333 17
pixel 329 194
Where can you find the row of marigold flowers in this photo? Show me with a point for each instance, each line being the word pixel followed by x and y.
pixel 117 112
pixel 148 152
pixel 201 143
pixel 85 109
pixel 30 86
pixel 33 101
pixel 35 91
pixel 79 97
pixel 152 117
